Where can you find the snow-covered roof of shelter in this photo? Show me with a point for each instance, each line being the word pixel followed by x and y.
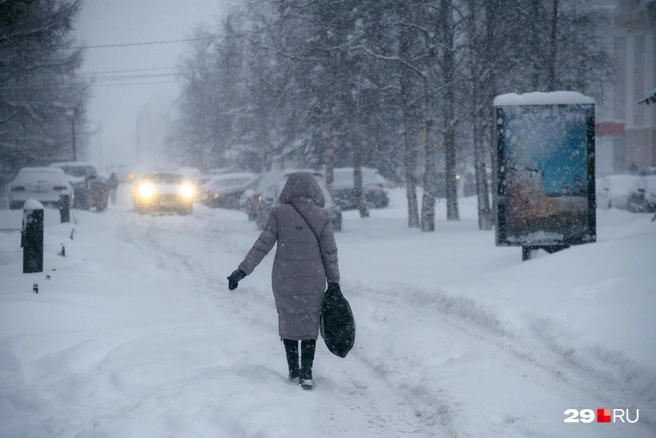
pixel 539 98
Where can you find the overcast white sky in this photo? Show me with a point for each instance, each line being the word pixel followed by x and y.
pixel 114 104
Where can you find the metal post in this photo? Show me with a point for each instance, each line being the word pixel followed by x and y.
pixel 64 208
pixel 32 237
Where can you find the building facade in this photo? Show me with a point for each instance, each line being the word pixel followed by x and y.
pixel 626 128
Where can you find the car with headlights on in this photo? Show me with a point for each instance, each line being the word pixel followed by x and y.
pixel 164 192
pixel 48 185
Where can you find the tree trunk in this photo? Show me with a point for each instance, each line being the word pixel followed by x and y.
pixel 552 46
pixel 330 147
pixel 448 66
pixel 357 156
pixel 430 173
pixel 410 148
pixel 484 212
pixel 491 42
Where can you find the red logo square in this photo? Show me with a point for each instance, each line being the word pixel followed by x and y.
pixel 603 415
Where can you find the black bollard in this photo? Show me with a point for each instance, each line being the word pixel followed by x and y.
pixel 32 237
pixel 64 209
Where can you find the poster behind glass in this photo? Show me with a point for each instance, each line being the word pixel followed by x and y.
pixel 545 191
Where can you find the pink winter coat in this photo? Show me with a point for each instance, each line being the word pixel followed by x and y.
pixel 300 268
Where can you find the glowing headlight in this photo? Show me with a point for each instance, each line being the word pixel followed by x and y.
pixel 187 191
pixel 146 190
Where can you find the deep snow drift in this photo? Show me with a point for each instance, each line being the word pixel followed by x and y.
pixel 135 334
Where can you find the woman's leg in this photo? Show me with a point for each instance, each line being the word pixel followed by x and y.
pixel 307 359
pixel 291 351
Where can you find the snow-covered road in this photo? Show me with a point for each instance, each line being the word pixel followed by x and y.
pixel 136 334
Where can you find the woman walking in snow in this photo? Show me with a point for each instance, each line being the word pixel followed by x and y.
pixel 306 257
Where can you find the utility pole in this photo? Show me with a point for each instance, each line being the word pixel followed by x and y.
pixel 73 132
pixel 138 140
pixel 100 147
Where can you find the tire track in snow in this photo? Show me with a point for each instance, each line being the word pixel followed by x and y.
pixel 349 387
pixel 477 323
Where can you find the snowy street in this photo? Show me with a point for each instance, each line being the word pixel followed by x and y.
pixel 136 334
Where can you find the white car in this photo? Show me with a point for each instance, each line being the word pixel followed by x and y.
pixel 643 196
pixel 225 191
pixel 373 188
pixel 48 185
pixel 613 191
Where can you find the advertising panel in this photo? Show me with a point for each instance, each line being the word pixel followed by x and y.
pixel 545 166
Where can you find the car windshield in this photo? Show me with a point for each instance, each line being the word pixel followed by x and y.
pixel 225 183
pixel 74 170
pixel 164 178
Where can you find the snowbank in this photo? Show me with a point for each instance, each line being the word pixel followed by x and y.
pixel 135 333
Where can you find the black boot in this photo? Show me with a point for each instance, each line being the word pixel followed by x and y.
pixel 307 358
pixel 291 351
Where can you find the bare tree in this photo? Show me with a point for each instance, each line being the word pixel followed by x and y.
pixel 42 101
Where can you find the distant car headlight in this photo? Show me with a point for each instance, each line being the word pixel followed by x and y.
pixel 146 190
pixel 187 191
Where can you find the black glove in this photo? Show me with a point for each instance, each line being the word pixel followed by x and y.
pixel 235 278
pixel 333 287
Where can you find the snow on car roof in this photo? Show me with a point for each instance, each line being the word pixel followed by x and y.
pixel 70 163
pixel 27 174
pixel 344 178
pixel 233 175
pixel 538 98
pixel 230 180
pixel 41 170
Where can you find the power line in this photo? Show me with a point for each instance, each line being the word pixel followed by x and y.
pixel 127 84
pixel 148 43
pixel 53 87
pixel 142 76
pixel 91 73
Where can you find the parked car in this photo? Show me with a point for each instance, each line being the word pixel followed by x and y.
pixel 373 187
pixel 266 196
pixel 164 192
pixel 613 191
pixel 225 191
pixel 90 189
pixel 643 196
pixel 47 185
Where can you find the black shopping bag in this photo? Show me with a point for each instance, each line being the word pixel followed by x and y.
pixel 337 323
